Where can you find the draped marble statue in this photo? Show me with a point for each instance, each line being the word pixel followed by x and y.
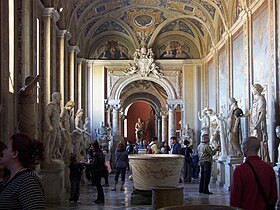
pixel 188 134
pixel 77 139
pixel 87 134
pixel 27 123
pixel 52 134
pixel 258 126
pixel 65 129
pixel 221 129
pixel 234 129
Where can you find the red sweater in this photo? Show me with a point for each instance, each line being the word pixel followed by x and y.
pixel 245 192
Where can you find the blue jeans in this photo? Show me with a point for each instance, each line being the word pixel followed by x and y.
pixel 119 171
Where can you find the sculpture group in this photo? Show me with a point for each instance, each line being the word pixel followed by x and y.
pixel 226 131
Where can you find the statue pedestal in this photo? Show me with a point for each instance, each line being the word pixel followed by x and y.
pixel 230 164
pixel 221 170
pixel 214 170
pixel 53 179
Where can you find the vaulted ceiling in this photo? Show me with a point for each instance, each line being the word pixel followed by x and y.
pixel 118 27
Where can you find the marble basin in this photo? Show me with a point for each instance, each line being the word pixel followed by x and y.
pixel 155 170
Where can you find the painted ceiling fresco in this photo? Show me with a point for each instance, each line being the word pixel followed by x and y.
pixel 158 24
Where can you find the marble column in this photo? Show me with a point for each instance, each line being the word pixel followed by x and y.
pixel 115 120
pixel 164 126
pixel 48 14
pixel 61 35
pixel 171 121
pixel 73 50
pixel 80 65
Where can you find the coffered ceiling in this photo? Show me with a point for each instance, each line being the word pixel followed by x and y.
pixel 118 27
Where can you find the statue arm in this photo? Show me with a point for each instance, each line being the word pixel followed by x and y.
pixel 29 87
pixel 199 116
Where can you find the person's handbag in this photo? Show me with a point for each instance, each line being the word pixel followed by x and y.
pixel 269 205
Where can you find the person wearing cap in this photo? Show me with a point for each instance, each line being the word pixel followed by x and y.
pixel 154 146
pixel 205 153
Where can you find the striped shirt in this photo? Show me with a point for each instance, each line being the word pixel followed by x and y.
pixel 24 191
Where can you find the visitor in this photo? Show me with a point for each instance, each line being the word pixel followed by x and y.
pixel 76 169
pixel 246 191
pixel 22 188
pixel 121 165
pixel 187 168
pixel 205 154
pixel 176 146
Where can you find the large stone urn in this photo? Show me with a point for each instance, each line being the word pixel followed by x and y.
pixel 155 170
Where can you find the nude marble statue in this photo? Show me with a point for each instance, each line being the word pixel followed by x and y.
pixel 52 134
pixel 65 129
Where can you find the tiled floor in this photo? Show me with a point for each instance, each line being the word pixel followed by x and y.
pixel 122 200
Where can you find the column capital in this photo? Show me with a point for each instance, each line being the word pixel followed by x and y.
pixel 61 33
pixel 80 60
pixel 51 12
pixel 74 49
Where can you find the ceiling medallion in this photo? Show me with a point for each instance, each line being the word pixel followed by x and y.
pixel 144 21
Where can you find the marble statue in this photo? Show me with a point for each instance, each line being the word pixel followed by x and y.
pixel 277 131
pixel 87 134
pixel 258 126
pixel 65 129
pixel 188 134
pixel 233 129
pixel 223 135
pixel 78 132
pixel 27 123
pixel 52 134
pixel 205 121
pixel 213 129
pixel 139 130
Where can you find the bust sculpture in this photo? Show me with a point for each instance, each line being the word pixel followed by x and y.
pixel 52 134
pixel 27 123
pixel 258 126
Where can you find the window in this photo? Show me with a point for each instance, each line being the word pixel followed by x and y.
pixel 11 46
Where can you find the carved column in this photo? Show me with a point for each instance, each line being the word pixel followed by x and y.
pixel 171 121
pixel 48 14
pixel 73 50
pixel 115 120
pixel 80 67
pixel 164 125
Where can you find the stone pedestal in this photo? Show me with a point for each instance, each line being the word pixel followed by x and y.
pixel 221 170
pixel 214 170
pixel 141 197
pixel 230 165
pixel 53 179
pixel 167 196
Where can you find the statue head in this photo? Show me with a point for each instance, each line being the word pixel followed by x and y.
pixel 56 97
pixel 80 112
pixel 28 80
pixel 70 105
pixel 257 88
pixel 232 101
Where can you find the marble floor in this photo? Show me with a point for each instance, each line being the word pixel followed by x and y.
pixel 122 199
